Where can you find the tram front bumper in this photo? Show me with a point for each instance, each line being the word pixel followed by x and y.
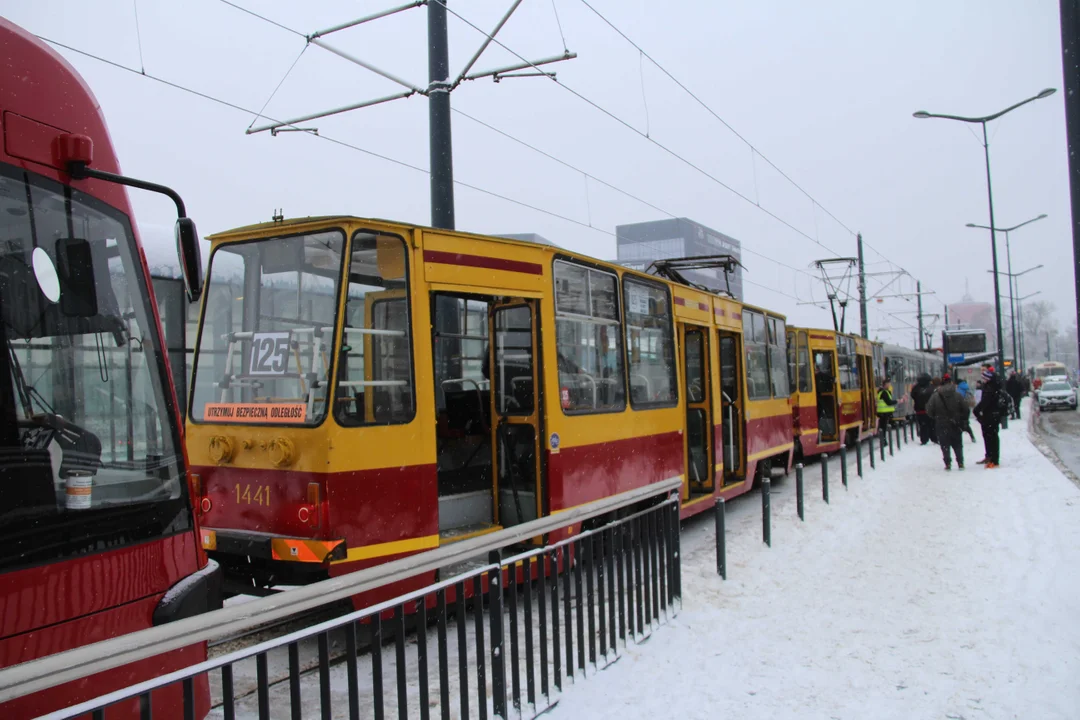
pixel 267 546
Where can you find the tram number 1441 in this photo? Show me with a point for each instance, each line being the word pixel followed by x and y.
pixel 244 495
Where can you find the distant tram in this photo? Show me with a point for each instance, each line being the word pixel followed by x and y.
pixel 833 389
pixel 364 389
pixel 903 367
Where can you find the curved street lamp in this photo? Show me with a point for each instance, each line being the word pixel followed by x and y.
pixel 1011 276
pixel 923 114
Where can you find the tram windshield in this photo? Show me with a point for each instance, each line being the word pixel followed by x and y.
pixel 267 333
pixel 88 436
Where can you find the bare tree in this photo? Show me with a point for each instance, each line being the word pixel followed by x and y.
pixel 1038 319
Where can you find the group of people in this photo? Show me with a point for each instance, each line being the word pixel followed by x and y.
pixel 943 410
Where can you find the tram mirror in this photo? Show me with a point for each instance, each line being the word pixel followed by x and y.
pixel 190 254
pixel 75 267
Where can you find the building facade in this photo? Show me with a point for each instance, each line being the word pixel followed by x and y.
pixel 640 244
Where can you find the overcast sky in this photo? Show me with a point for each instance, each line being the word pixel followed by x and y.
pixel 824 90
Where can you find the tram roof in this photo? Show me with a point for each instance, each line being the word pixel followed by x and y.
pixel 246 231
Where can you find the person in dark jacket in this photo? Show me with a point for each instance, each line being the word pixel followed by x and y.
pixel 988 413
pixel 949 411
pixel 1015 387
pixel 920 396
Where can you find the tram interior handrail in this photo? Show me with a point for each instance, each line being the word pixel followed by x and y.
pixel 81 662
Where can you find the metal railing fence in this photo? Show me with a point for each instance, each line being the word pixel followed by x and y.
pixel 555 612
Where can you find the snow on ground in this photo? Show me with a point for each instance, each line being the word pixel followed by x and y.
pixel 917 594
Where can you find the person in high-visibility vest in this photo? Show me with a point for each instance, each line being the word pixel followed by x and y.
pixel 886 404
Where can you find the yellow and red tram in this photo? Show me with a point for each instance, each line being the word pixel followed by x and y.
pixel 833 382
pixel 365 389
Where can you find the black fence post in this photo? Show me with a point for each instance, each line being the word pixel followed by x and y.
pixel 858 458
pixel 873 465
pixel 676 554
pixel 498 660
pixel 721 544
pixel 799 490
pixel 843 466
pixel 889 433
pixel 766 512
pixel 883 441
pixel 825 477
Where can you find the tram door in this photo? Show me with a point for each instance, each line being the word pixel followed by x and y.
pixel 515 412
pixel 827 397
pixel 699 423
pixel 869 401
pixel 731 404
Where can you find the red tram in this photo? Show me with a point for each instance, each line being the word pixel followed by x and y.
pixel 96 526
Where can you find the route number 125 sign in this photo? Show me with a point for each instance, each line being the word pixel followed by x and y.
pixel 269 353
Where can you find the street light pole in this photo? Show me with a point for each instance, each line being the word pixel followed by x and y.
pixel 993 254
pixel 1023 342
pixel 922 114
pixel 1008 260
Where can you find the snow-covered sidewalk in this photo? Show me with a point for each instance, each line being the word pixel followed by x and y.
pixel 916 594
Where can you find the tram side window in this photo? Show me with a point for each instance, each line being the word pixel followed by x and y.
pixel 805 371
pixel 849 371
pixel 792 364
pixel 587 340
pixel 757 356
pixel 777 374
pixel 374 380
pixel 649 344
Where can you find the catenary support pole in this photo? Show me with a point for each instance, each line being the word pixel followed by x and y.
pixel 1070 63
pixel 918 299
pixel 999 362
pixel 440 145
pixel 863 326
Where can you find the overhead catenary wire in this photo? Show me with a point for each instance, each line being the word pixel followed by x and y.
pixel 491 39
pixel 587 175
pixel 284 77
pixel 609 185
pixel 320 136
pixel 686 161
pixel 735 132
pixel 681 158
pixel 476 188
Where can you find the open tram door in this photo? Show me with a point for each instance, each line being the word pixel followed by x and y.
pixel 868 395
pixel 519 491
pixel 828 394
pixel 732 413
pixel 699 436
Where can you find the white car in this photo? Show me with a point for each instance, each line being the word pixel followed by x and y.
pixel 1057 394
